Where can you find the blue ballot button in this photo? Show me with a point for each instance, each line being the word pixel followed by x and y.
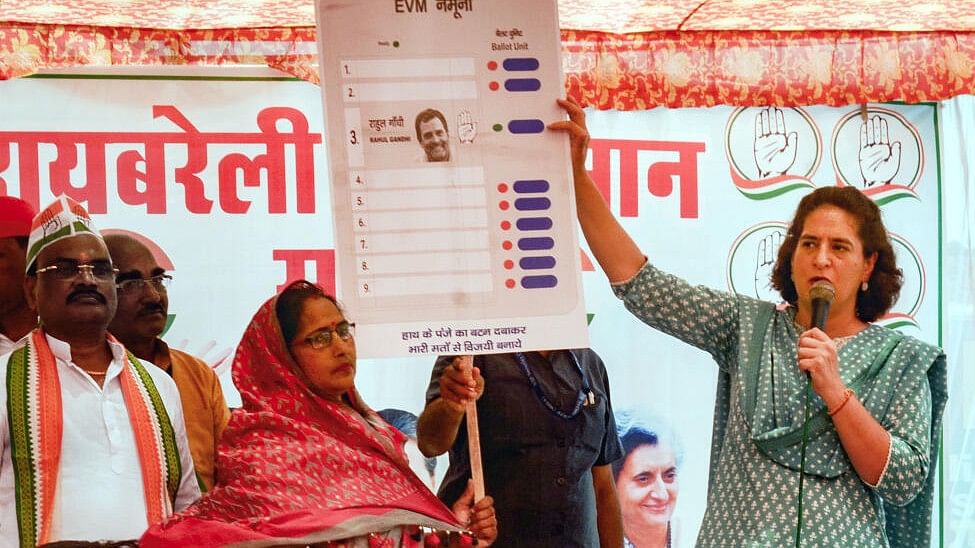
pixel 533 244
pixel 531 185
pixel 539 282
pixel 532 204
pixel 526 126
pixel 520 64
pixel 522 84
pixel 536 263
pixel 534 223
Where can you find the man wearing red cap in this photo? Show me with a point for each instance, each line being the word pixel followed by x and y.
pixel 17 318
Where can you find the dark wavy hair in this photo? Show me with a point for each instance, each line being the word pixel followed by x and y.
pixel 886 279
pixel 290 302
pixel 426 115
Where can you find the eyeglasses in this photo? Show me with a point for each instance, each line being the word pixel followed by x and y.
pixel 323 338
pixel 69 270
pixel 137 285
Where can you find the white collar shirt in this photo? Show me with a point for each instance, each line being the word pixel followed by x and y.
pixel 9 345
pixel 99 495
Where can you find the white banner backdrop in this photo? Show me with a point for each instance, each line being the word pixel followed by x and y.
pixel 228 177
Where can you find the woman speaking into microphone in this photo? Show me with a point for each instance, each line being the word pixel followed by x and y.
pixel 823 436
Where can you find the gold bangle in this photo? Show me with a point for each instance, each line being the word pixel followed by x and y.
pixel 847 394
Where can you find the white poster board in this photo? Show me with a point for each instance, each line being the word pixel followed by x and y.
pixel 454 215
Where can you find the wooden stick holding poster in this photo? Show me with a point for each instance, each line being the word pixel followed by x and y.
pixel 473 437
pixel 454 215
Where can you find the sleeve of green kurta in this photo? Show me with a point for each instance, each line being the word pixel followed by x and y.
pixel 908 421
pixel 700 316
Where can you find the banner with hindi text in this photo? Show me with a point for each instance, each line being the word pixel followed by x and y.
pixel 225 173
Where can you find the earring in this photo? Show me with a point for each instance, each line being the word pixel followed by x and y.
pixel 864 286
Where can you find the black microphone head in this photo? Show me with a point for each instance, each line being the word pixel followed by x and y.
pixel 821 294
pixel 822 290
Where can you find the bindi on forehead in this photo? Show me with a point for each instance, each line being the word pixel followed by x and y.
pixel 330 325
pixel 319 312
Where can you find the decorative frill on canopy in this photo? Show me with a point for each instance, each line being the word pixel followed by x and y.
pixel 621 54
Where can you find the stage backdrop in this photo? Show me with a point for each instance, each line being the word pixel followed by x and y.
pixel 226 174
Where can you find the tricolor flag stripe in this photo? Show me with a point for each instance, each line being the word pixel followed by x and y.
pixel 62 219
pixel 36 247
pixel 897 320
pixel 885 194
pixel 47 214
pixel 773 191
pixel 764 189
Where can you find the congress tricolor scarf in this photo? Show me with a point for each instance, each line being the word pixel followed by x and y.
pixel 35 422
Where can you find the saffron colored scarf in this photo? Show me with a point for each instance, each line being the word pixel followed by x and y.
pixel 293 467
pixel 35 421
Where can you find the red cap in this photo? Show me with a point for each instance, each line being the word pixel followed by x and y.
pixel 15 217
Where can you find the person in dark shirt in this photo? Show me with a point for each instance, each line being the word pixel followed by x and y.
pixel 548 438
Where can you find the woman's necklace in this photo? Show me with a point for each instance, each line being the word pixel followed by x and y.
pixel 585 397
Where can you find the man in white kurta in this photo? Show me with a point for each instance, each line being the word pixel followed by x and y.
pixel 101 481
pixel 99 495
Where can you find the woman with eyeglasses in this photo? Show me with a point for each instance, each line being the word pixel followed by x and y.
pixel 306 461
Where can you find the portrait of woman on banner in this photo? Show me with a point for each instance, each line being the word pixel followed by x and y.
pixel 647 479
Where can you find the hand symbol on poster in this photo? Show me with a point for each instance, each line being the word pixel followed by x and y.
pixel 466 127
pixel 775 151
pixel 768 251
pixel 879 159
pixel 218 359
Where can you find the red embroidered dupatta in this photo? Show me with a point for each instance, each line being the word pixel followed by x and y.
pixel 294 467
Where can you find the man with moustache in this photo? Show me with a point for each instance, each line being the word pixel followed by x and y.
pixel 16 317
pixel 432 134
pixel 92 442
pixel 140 319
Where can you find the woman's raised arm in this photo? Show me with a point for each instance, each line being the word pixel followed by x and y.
pixel 614 250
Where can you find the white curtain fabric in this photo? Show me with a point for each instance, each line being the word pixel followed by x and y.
pixel 958 180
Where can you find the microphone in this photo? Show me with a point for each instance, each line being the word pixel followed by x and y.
pixel 821 294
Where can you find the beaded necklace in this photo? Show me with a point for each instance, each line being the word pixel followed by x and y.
pixel 585 397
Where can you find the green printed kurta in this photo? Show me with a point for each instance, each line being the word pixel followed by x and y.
pixel 755 458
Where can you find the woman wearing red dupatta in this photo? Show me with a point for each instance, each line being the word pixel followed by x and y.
pixel 305 460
